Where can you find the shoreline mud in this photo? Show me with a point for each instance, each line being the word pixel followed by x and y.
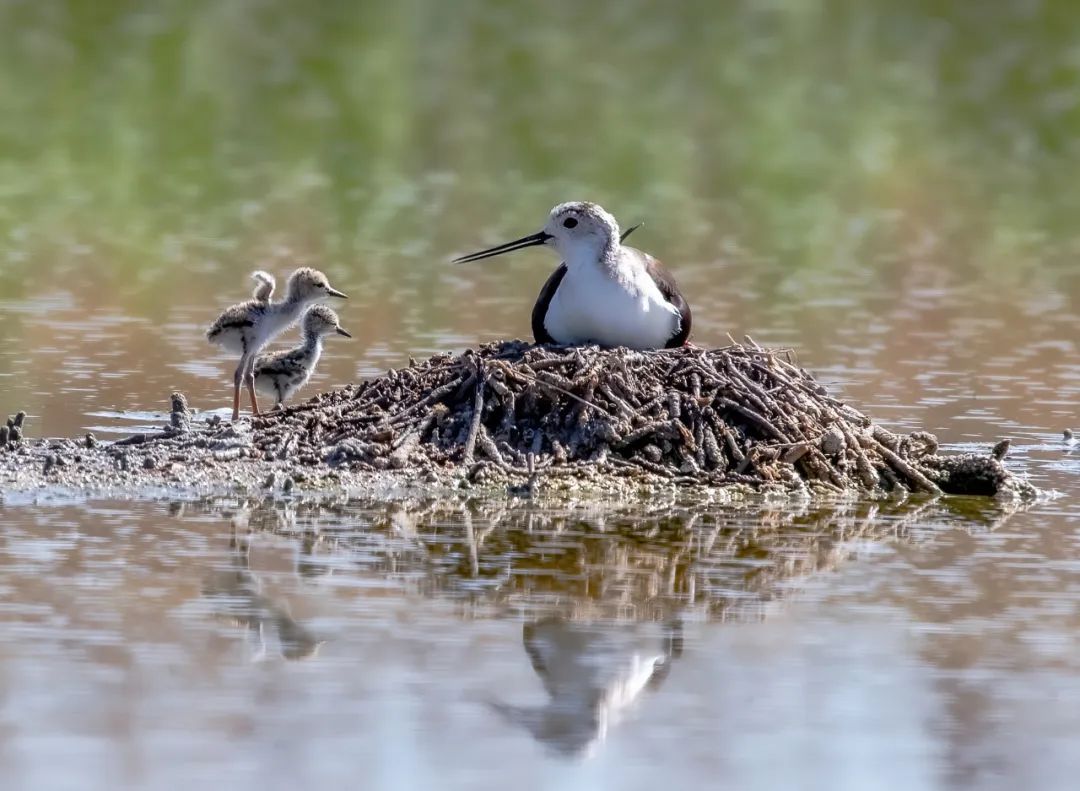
pixel 524 419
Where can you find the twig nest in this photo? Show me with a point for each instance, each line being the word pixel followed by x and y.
pixel 579 418
pixel 740 414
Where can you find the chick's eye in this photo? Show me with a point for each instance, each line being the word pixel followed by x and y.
pixel 569 222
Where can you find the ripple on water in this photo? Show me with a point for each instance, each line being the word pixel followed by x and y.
pixel 550 633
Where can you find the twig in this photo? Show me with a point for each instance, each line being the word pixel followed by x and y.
pixel 754 417
pixel 478 410
pixel 901 466
pixel 565 392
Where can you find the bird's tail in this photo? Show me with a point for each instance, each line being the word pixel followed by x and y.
pixel 264 285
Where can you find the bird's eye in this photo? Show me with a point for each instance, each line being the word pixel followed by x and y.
pixel 569 222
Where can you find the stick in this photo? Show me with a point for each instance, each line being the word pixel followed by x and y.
pixel 754 417
pixel 542 383
pixel 478 409
pixel 901 466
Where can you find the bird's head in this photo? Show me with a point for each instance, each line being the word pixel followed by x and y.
pixel 311 285
pixel 577 230
pixel 320 321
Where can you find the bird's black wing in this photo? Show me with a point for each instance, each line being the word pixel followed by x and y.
pixel 277 363
pixel 540 309
pixel 665 281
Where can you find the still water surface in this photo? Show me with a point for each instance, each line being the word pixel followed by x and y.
pixel 890 191
pixel 475 645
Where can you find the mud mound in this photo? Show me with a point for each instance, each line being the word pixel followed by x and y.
pixel 740 414
pixel 526 416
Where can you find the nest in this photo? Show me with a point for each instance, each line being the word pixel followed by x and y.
pixel 735 415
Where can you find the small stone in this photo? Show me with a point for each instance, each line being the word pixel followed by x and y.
pixel 1001 450
pixel 833 441
pixel 149 463
pixel 90 441
pixel 180 416
pixel 287 485
pixel 271 481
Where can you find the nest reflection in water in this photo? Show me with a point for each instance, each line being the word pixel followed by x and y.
pixel 623 561
pixel 602 590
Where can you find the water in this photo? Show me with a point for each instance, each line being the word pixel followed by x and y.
pixel 430 644
pixel 888 191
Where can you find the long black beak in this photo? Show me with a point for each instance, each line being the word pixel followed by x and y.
pixel 629 231
pixel 525 241
pixel 342 332
pixel 335 293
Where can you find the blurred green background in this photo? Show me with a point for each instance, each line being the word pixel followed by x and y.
pixel 801 165
pixel 148 133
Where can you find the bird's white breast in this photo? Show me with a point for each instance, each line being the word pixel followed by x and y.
pixel 278 319
pixel 590 305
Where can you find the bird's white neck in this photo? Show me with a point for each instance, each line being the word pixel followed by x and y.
pixel 292 300
pixel 603 254
pixel 290 309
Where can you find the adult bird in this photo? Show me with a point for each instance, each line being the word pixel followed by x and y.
pixel 604 292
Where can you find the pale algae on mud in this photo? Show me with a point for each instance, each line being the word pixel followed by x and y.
pixel 527 417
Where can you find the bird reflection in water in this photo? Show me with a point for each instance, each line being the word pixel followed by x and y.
pixel 592 674
pixel 237 597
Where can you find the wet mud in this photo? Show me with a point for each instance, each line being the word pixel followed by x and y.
pixel 527 418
